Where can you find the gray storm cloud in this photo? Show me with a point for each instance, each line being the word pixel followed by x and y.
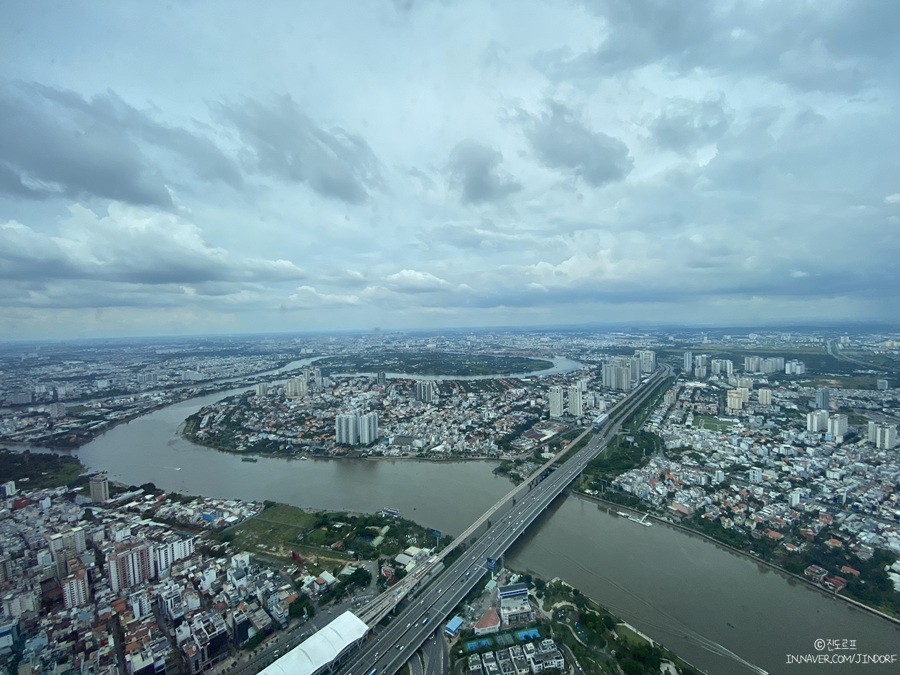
pixel 432 164
pixel 289 145
pixel 561 141
pixel 475 170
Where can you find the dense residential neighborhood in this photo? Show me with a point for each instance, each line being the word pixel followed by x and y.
pixel 772 464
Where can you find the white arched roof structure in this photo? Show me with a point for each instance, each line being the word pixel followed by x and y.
pixel 316 652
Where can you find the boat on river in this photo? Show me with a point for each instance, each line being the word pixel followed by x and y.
pixel 639 521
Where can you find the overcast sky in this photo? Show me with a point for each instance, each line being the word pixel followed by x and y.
pixel 216 167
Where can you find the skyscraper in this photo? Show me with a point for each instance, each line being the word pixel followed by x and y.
pixel 576 404
pixel 353 428
pixel 887 437
pixel 837 427
pixel 617 374
pixel 295 387
pixel 368 428
pixel 648 359
pixel 99 488
pixel 556 401
pixel 688 363
pixel 346 429
pixel 76 590
pixel 636 369
pixel 884 436
pixel 816 421
pixel 168 549
pixel 425 391
pixel 129 565
pixel 822 399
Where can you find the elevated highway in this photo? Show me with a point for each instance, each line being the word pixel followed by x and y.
pixel 427 606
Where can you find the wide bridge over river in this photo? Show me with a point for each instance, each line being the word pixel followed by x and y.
pixel 427 605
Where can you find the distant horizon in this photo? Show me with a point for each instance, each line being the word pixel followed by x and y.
pixel 857 326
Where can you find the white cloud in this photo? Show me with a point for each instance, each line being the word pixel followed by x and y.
pixel 412 281
pixel 307 297
pixel 129 244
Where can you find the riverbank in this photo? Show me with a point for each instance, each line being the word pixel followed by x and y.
pixel 284 424
pixel 35 471
pixel 117 409
pixel 185 430
pixel 593 639
pixel 345 456
pixel 790 575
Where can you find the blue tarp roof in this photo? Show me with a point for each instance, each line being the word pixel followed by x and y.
pixel 453 625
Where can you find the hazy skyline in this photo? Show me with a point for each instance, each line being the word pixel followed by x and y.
pixel 258 167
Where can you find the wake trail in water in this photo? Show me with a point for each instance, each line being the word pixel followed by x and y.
pixel 677 627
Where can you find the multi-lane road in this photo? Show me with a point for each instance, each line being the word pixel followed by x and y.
pixel 426 608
